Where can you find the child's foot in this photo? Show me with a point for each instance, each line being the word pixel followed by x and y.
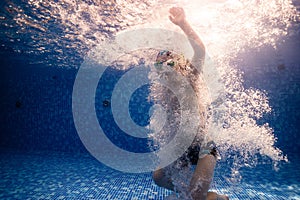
pixel 215 196
pixel 222 197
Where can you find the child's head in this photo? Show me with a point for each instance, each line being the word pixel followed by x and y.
pixel 177 61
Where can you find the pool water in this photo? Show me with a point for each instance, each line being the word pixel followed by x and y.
pixel 41 153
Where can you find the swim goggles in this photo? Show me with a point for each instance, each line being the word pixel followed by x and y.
pixel 164 55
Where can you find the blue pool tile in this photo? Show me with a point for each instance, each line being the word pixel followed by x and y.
pixel 79 176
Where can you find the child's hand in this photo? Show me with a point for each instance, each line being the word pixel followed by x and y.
pixel 177 15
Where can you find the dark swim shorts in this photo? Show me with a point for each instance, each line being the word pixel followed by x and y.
pixel 190 156
pixel 192 153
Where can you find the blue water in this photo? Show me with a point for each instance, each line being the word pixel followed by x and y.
pixel 42 157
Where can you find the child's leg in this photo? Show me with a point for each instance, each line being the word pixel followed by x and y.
pixel 163 179
pixel 202 177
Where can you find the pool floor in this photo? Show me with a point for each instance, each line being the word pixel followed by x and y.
pixel 68 176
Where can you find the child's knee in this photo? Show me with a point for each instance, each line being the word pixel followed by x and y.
pixel 162 180
pixel 158 177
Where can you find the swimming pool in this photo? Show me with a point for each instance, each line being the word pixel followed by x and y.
pixel 42 155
